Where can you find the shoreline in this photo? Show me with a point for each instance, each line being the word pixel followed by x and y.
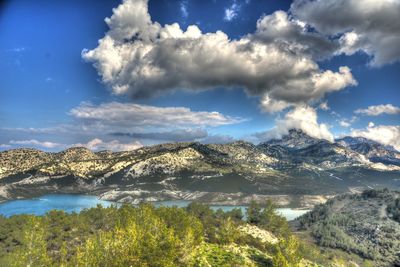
pixel 69 203
pixel 295 202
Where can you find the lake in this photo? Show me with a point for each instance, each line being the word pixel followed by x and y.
pixel 76 203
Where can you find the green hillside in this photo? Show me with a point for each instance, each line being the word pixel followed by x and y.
pixel 149 236
pixel 366 224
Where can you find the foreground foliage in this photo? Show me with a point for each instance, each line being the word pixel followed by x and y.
pixel 149 236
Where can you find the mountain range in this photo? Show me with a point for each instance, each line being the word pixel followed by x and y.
pixel 296 170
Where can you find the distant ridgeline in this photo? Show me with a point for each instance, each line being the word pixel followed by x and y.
pixel 165 236
pixel 296 167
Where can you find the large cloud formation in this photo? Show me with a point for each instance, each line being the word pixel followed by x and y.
pixel 371 26
pixel 141 58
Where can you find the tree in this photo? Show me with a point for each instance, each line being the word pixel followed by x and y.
pixel 236 214
pixel 228 232
pixel 253 213
pixel 34 249
pixel 279 260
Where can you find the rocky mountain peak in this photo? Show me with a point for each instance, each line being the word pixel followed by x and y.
pixel 295 139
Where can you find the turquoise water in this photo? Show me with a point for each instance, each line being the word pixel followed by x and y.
pixel 75 203
pixel 43 204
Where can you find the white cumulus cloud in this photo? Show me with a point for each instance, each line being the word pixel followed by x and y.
pixel 304 118
pixel 141 58
pixel 379 109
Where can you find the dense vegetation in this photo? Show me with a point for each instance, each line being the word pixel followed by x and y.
pixel 149 236
pixel 394 209
pixel 366 224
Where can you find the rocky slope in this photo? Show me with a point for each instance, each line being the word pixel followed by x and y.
pixel 374 151
pixel 295 170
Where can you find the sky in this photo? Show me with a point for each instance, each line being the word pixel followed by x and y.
pixel 119 75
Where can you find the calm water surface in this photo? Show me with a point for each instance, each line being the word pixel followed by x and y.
pixel 76 203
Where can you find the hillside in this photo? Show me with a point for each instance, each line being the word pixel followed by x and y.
pixel 297 170
pixel 366 224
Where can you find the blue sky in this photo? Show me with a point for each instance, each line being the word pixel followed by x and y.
pixel 56 89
